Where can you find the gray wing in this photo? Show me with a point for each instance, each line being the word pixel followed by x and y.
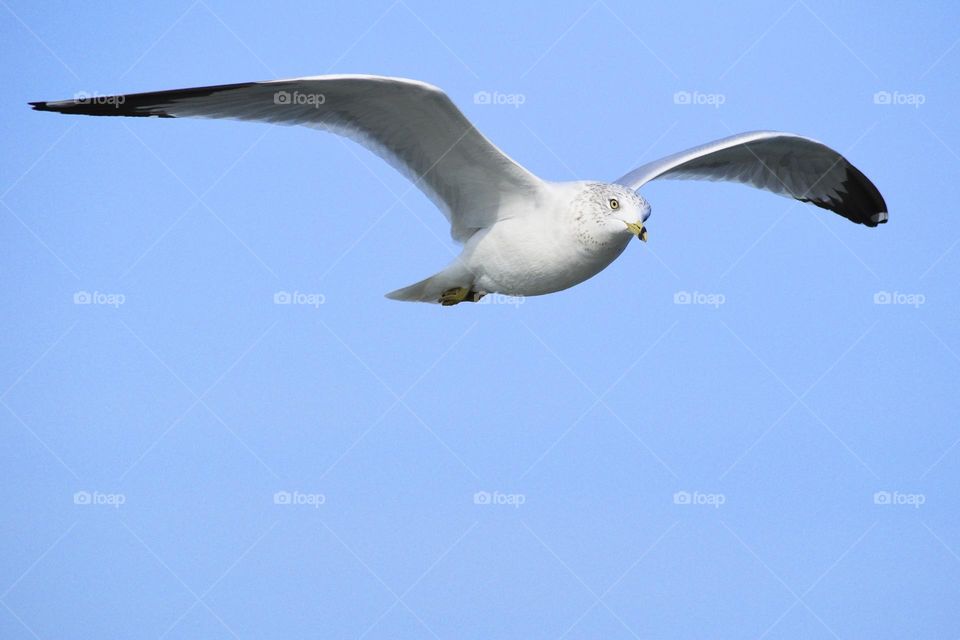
pixel 783 163
pixel 412 125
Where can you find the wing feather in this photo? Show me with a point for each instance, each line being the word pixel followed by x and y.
pixel 412 125
pixel 782 163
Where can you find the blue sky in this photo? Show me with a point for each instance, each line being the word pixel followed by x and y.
pixel 184 458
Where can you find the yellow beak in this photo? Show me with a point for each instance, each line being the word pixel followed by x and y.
pixel 638 230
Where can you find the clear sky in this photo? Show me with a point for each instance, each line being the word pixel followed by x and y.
pixel 184 458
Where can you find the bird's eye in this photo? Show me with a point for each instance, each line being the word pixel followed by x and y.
pixel 614 204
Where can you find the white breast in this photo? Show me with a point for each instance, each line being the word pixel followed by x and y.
pixel 535 253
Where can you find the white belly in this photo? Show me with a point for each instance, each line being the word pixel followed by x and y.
pixel 528 257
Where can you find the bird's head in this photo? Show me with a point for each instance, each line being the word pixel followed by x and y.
pixel 608 213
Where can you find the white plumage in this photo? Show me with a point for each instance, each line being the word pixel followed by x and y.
pixel 521 235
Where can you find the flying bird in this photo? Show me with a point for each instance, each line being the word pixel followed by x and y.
pixel 521 235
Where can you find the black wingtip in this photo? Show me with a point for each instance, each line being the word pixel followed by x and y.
pixel 857 200
pixel 152 104
pixel 862 197
pixel 101 106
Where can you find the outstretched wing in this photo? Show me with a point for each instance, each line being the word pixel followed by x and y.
pixel 783 163
pixel 412 125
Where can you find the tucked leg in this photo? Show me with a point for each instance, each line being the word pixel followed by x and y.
pixel 457 295
pixel 454 296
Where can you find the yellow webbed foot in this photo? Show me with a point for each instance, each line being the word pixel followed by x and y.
pixel 454 296
pixel 460 294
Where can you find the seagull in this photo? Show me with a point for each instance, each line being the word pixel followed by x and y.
pixel 521 235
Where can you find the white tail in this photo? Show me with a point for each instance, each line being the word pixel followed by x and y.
pixel 423 291
pixel 430 289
